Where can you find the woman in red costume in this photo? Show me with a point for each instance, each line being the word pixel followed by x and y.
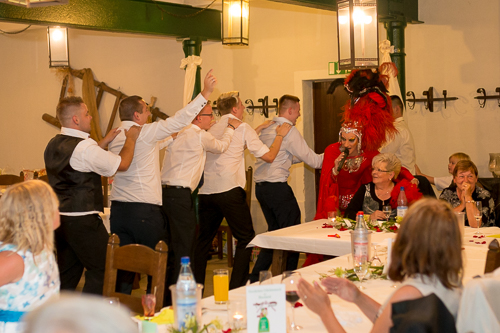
pixel 366 122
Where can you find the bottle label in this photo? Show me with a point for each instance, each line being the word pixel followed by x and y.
pixel 360 250
pixel 186 311
pixel 402 210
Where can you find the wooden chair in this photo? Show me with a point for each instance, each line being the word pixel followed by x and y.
pixel 45 178
pixel 11 179
pixel 225 228
pixel 135 258
pixel 493 257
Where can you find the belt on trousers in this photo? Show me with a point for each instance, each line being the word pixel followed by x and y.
pixel 172 186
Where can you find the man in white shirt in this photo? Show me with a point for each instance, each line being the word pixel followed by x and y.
pixel 74 164
pixel 402 144
pixel 275 196
pixel 222 194
pixel 181 173
pixel 136 199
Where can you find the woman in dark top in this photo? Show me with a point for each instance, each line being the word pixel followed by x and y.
pixel 382 190
pixel 463 194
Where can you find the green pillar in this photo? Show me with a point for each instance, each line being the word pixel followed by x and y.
pixel 192 46
pixel 396 35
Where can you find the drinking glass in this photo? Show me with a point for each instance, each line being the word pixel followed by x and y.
pixel 361 269
pixel 478 216
pixel 148 304
pixel 221 286
pixel 290 279
pixel 265 277
pixel 387 210
pixel 375 259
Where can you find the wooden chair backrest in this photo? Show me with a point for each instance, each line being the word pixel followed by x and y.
pixel 135 258
pixel 493 257
pixel 45 178
pixel 248 186
pixel 11 179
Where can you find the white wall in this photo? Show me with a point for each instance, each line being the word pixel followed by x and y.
pixel 456 49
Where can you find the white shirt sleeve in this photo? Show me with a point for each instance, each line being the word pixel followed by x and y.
pixel 89 157
pixel 442 182
pixel 162 129
pixel 298 147
pixel 165 143
pixel 254 145
pixel 211 144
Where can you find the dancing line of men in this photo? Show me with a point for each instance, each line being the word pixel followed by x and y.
pixel 148 205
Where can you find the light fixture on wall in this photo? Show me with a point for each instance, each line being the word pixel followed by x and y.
pixel 58 46
pixel 35 3
pixel 357 29
pixel 235 22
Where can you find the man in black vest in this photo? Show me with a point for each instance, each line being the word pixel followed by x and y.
pixel 74 164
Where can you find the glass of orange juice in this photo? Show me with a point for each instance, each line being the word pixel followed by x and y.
pixel 221 286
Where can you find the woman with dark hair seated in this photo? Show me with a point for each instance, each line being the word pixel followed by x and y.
pixel 383 190
pixel 463 194
pixel 426 258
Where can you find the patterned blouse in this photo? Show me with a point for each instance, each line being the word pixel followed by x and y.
pixel 40 281
pixel 480 194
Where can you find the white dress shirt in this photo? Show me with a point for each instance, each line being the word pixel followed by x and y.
pixel 402 145
pixel 226 171
pixel 185 158
pixel 141 182
pixel 89 157
pixel 293 145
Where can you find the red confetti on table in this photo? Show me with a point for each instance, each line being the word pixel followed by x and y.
pixel 336 236
pixel 298 305
pixel 325 225
pixel 343 229
pixel 226 331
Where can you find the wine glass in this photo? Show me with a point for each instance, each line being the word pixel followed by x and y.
pixel 387 210
pixel 361 269
pixel 265 277
pixel 290 279
pixel 375 259
pixel 478 215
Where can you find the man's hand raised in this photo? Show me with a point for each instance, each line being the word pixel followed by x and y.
pixel 209 84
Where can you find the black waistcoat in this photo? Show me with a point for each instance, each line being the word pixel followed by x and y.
pixel 77 191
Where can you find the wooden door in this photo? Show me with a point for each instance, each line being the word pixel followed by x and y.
pixel 326 113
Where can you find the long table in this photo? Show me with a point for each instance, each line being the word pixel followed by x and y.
pixel 348 314
pixel 310 237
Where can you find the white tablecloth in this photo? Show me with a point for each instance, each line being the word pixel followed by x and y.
pixel 348 314
pixel 310 237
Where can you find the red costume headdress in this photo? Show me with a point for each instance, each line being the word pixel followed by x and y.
pixel 369 109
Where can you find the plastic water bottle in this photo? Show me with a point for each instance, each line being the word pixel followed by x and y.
pixel 402 203
pixel 185 295
pixel 360 239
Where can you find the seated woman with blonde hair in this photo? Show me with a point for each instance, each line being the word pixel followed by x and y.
pixel 28 275
pixel 383 190
pixel 426 258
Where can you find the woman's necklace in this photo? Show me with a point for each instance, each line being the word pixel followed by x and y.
pixel 383 193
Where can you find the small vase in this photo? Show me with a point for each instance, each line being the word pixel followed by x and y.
pixel 494 164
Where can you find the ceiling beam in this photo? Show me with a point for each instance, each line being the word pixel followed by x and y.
pixel 130 16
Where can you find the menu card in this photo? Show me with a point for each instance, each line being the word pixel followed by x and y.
pixel 266 308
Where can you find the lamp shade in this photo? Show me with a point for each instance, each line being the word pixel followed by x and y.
pixel 58 46
pixel 357 28
pixel 235 22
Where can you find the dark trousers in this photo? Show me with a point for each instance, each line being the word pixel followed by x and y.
pixel 281 210
pixel 179 208
pixel 81 242
pixel 136 223
pixel 425 186
pixel 212 209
